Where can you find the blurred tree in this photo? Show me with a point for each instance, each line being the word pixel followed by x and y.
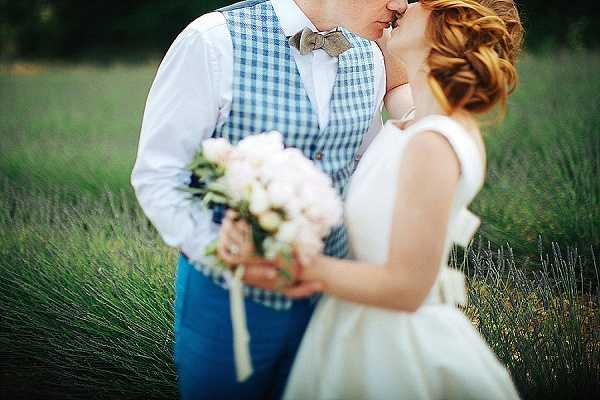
pixel 67 28
pixel 552 23
pixel 75 28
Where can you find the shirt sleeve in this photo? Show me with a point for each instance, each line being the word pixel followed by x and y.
pixel 181 111
pixel 380 87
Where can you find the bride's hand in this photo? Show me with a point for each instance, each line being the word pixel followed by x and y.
pixel 398 99
pixel 308 283
pixel 395 71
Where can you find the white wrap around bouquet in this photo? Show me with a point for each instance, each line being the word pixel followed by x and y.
pixel 290 204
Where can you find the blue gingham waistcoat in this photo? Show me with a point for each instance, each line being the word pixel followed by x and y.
pixel 268 94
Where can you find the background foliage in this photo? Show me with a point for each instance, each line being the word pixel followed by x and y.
pixel 131 28
pixel 86 284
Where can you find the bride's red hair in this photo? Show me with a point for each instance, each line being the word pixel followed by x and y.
pixel 475 44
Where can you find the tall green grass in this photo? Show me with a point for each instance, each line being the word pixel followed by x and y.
pixel 86 294
pixel 86 285
pixel 544 160
pixel 74 128
pixel 544 327
pixel 85 297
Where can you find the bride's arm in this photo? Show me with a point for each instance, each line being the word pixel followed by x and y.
pixel 398 100
pixel 427 183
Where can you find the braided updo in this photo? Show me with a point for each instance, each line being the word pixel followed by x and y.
pixel 475 44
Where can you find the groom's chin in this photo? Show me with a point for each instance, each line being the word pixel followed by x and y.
pixel 372 35
pixel 374 32
pixel 375 36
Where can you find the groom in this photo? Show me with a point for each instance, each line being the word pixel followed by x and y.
pixel 252 67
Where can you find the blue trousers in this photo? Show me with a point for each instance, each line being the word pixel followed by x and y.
pixel 204 341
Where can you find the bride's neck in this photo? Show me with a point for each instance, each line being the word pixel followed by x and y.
pixel 426 103
pixel 424 100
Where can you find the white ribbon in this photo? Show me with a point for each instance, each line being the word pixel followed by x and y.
pixel 464 227
pixel 241 337
pixel 453 289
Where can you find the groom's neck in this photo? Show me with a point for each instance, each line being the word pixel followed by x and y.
pixel 321 13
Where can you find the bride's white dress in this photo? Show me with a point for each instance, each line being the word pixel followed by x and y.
pixel 352 351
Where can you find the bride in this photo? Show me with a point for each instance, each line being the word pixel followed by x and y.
pixel 388 326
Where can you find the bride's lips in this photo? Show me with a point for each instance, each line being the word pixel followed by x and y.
pixel 396 20
pixel 392 22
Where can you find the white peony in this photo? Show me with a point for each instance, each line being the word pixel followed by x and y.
pixel 270 221
pixel 280 193
pixel 268 176
pixel 308 243
pixel 323 207
pixel 288 231
pixel 257 149
pixel 259 199
pixel 240 177
pixel 217 150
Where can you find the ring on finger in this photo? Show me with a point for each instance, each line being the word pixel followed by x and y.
pixel 234 249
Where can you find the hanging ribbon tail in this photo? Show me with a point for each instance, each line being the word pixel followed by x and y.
pixel 453 287
pixel 452 281
pixel 465 227
pixel 241 337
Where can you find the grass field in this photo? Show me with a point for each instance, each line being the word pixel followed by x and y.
pixel 86 286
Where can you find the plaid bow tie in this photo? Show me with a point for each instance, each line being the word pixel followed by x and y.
pixel 333 43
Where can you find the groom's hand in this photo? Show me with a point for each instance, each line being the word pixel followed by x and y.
pixel 265 274
pixel 304 290
pixel 236 247
pixel 262 276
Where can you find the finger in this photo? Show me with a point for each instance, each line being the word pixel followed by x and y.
pixel 232 215
pixel 303 290
pixel 248 240
pixel 256 273
pixel 237 231
pixel 244 229
pixel 230 259
pixel 288 274
pixel 226 226
pixel 223 253
pixel 235 235
pixel 226 243
pixel 257 261
pixel 241 250
pixel 230 235
pixel 226 218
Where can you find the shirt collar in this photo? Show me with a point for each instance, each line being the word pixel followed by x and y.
pixel 291 17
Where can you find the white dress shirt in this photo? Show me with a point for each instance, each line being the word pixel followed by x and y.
pixel 191 96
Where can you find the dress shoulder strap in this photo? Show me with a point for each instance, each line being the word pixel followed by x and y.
pixel 465 223
pixel 466 149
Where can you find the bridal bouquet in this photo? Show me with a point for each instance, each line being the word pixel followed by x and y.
pixel 290 204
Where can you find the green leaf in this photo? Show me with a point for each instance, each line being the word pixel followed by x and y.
pixel 213 198
pixel 211 249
